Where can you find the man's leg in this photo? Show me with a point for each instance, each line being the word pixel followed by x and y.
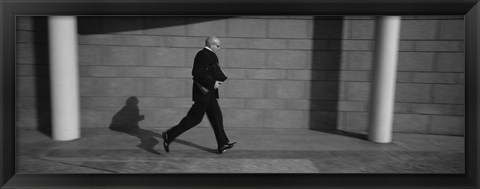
pixel 193 118
pixel 214 115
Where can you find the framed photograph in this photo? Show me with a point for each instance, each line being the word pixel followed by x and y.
pixel 299 88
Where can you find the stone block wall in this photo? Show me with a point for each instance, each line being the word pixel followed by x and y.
pixel 285 71
pixel 430 79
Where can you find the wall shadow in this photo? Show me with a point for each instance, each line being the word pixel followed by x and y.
pixel 133 24
pixel 41 66
pixel 325 92
pixel 325 68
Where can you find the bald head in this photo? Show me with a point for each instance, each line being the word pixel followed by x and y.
pixel 213 43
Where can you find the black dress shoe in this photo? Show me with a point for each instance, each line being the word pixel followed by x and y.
pixel 165 143
pixel 225 147
pixel 221 150
pixel 231 145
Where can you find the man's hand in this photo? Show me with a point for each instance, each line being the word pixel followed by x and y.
pixel 217 84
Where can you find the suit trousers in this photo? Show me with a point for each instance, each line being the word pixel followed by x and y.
pixel 208 105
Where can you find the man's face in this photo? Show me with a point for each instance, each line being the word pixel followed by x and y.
pixel 215 46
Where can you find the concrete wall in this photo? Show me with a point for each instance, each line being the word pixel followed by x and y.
pixel 285 72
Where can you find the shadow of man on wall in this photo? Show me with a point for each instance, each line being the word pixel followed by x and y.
pixel 126 121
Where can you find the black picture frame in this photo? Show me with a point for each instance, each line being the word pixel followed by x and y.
pixel 11 8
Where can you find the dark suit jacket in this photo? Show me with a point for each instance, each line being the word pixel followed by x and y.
pixel 202 73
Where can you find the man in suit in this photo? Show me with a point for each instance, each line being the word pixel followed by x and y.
pixel 207 78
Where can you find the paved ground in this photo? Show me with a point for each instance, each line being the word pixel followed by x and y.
pixel 101 150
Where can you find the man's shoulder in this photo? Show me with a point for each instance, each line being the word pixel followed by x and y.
pixel 205 52
pixel 201 51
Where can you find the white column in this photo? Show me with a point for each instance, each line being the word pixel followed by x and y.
pixel 64 77
pixel 382 96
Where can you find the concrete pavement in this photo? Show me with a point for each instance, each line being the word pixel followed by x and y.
pixel 259 150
